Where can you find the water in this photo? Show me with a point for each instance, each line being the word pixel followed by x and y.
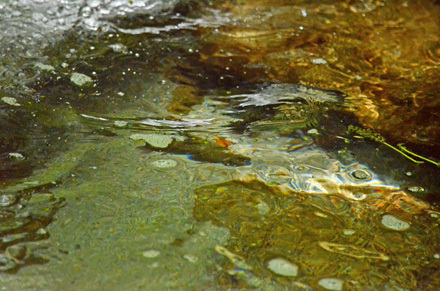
pixel 207 147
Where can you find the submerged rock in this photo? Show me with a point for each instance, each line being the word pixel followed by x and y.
pixel 151 254
pixel 120 123
pixel 11 101
pixel 164 163
pixel 44 67
pixel 283 267
pixel 198 149
pixel 16 156
pixel 183 98
pixel 331 284
pixel 394 223
pixel 161 141
pixel 291 43
pixel 283 108
pixel 80 80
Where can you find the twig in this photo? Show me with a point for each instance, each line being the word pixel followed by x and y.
pixel 377 137
pixel 403 148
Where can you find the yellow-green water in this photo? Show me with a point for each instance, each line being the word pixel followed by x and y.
pixel 206 152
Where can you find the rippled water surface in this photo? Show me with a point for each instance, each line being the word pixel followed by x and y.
pixel 219 145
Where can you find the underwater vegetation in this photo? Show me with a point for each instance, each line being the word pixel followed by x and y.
pixel 370 134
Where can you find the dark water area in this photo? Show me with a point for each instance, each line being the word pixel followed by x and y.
pixel 219 145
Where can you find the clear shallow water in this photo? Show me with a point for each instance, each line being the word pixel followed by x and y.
pixel 165 174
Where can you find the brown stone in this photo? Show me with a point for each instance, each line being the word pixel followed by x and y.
pixel 385 56
pixel 183 98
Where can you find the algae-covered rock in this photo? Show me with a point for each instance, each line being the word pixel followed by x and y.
pixel 16 156
pixel 11 101
pixel 44 67
pixel 80 80
pixel 120 123
pixel 183 98
pixel 199 149
pixel 155 140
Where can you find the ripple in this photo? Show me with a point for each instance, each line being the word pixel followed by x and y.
pixel 431 51
pixel 24 219
pixel 331 203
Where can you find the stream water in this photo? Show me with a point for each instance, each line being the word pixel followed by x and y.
pixel 219 145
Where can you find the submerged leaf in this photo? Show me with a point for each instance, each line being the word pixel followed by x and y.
pixel 222 142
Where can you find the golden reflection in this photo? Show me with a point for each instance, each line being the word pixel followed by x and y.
pixel 379 53
pixel 327 234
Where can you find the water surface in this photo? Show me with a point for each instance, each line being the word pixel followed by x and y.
pixel 166 145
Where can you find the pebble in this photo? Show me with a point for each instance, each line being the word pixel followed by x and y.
pixel 120 123
pixel 16 156
pixel 41 231
pixel 349 231
pixel 312 131
pixel 361 174
pixel 119 48
pixel 164 163
pixel 394 223
pixel 262 208
pixel 319 61
pixel 44 67
pixel 11 101
pixel 283 267
pixel 154 265
pixel 331 284
pixel 190 258
pixel 416 189
pixel 80 79
pixel 151 254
